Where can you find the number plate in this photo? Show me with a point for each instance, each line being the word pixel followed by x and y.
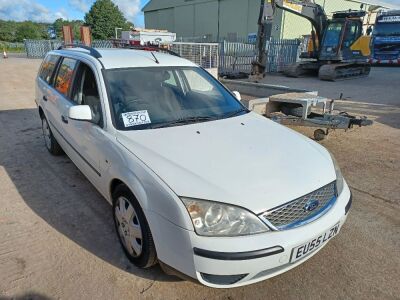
pixel 303 250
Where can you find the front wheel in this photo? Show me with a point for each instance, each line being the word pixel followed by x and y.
pixel 132 228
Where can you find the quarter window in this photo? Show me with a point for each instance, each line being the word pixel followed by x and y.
pixel 196 82
pixel 48 66
pixel 64 76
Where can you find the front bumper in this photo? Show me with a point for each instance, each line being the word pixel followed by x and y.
pixel 236 261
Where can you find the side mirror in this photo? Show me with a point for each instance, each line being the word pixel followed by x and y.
pixel 237 95
pixel 80 113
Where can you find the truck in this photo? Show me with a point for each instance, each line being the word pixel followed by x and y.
pixel 142 37
pixel 386 38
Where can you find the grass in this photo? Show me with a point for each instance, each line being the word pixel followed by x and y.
pixel 12 47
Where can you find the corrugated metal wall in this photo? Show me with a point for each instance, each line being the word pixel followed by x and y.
pixel 212 18
pixel 196 18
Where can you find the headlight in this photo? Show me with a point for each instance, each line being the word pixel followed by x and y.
pixel 339 176
pixel 217 219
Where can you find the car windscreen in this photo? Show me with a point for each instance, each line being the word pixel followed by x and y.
pixel 392 29
pixel 155 97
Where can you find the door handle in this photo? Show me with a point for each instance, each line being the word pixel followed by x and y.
pixel 44 98
pixel 64 119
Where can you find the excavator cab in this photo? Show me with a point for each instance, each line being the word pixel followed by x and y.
pixel 339 37
pixel 337 48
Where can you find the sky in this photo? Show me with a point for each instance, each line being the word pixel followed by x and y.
pixel 49 10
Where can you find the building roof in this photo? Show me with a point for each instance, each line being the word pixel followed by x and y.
pixel 114 58
pixel 162 4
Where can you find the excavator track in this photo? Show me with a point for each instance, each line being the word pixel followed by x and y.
pixel 294 70
pixel 334 72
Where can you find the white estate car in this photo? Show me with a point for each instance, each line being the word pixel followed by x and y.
pixel 198 183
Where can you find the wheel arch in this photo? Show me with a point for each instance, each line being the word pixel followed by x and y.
pixel 41 113
pixel 113 185
pixel 135 188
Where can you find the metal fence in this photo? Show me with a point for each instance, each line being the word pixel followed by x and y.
pixel 224 58
pixel 236 58
pixel 205 55
pixel 39 48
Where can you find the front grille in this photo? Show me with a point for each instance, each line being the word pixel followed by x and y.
pixel 295 213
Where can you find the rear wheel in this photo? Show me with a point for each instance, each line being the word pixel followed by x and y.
pixel 319 135
pixel 132 228
pixel 49 139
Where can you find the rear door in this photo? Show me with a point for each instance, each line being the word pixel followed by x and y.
pixel 44 81
pixel 59 102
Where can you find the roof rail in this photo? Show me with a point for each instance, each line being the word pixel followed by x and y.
pixel 154 48
pixel 92 51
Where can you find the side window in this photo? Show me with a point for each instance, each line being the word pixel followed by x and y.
pixel 64 76
pixel 352 32
pixel 47 68
pixel 86 92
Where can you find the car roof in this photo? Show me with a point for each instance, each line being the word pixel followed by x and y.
pixel 114 58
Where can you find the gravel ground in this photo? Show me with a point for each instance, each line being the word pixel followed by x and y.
pixel 57 239
pixel 382 86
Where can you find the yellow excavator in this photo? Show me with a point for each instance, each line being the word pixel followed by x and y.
pixel 337 48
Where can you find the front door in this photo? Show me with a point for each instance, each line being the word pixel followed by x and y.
pixel 89 138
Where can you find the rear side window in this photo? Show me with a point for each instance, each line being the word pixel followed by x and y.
pixel 64 76
pixel 48 67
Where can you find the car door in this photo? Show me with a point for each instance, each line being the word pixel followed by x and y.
pixel 90 138
pixel 44 82
pixel 59 102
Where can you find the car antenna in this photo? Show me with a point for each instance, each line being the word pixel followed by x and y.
pixel 155 58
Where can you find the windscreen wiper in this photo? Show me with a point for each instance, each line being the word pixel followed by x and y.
pixel 183 121
pixel 235 113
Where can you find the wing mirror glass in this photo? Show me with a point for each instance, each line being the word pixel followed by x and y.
pixel 80 113
pixel 237 95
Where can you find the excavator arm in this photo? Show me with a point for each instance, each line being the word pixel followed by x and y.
pixel 304 8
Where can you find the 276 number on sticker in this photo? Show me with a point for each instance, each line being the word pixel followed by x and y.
pixel 136 118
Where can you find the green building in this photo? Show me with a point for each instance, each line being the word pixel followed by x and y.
pixel 214 19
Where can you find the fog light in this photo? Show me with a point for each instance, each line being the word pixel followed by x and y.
pixel 222 279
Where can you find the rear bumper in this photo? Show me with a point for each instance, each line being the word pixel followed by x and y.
pixel 237 261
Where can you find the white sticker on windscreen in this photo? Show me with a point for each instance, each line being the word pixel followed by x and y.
pixel 136 118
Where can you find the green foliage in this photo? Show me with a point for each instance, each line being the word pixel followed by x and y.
pixel 76 25
pixel 28 30
pixel 11 31
pixel 12 47
pixel 7 31
pixel 104 16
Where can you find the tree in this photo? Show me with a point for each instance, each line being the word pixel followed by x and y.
pixel 11 31
pixel 76 25
pixel 103 17
pixel 7 31
pixel 28 30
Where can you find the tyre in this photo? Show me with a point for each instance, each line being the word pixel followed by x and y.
pixel 132 228
pixel 319 135
pixel 291 109
pixel 49 139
